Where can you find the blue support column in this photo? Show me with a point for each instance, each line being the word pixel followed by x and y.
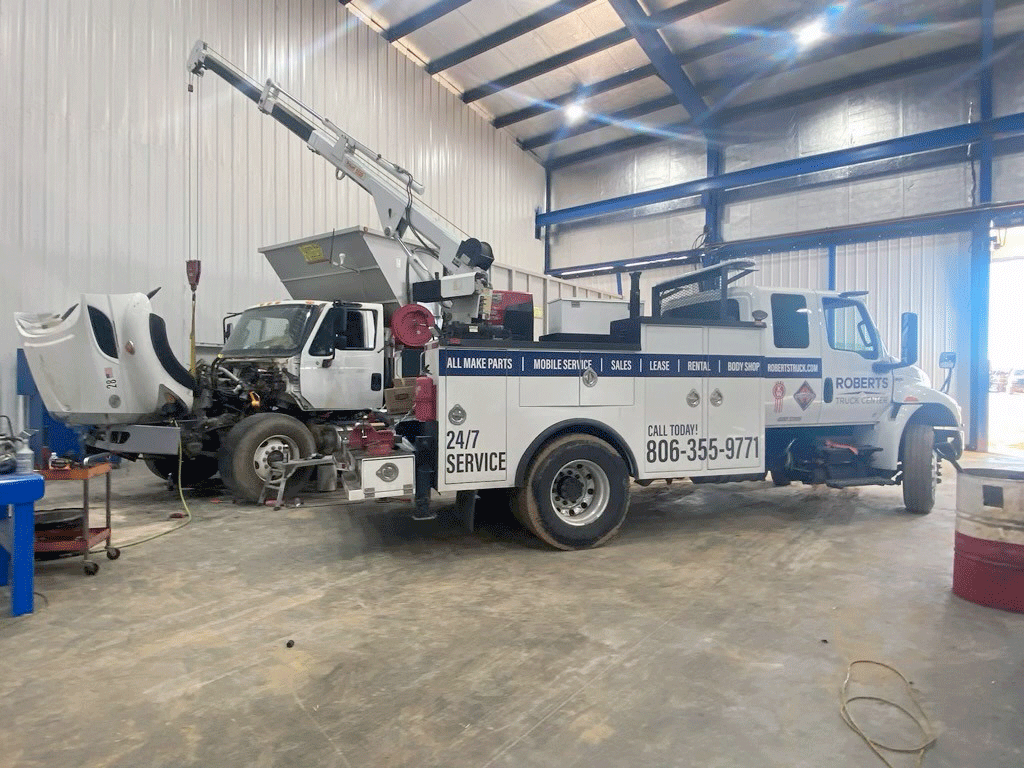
pixel 977 429
pixel 985 97
pixel 981 245
pixel 832 267
pixel 547 230
pixel 712 199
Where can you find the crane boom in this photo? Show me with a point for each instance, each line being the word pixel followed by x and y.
pixel 393 188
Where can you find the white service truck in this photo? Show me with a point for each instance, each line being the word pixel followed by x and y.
pixel 718 383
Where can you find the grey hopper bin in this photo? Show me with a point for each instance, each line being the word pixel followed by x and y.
pixel 353 264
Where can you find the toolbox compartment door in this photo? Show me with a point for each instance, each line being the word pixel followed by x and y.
pixel 735 412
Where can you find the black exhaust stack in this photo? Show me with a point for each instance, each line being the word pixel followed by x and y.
pixel 634 295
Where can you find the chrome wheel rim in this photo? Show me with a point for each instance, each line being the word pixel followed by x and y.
pixel 580 492
pixel 273 450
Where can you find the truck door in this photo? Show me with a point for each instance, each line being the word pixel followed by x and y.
pixel 343 366
pixel 852 393
pixel 792 372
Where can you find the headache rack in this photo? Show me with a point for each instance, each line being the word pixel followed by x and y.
pixel 702 294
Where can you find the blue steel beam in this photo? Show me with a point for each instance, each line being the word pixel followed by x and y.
pixel 736 38
pixel 506 34
pixel 899 70
pixel 962 220
pixel 649 39
pixel 589 48
pixel 943 138
pixel 844 46
pixel 710 48
pixel 586 91
pixel 613 118
pixel 421 19
pixel 549 64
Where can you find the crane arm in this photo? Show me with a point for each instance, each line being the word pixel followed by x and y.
pixel 393 188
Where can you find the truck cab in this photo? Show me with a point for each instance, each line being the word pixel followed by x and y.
pixel 329 355
pixel 831 389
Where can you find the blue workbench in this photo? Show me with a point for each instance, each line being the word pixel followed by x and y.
pixel 18 494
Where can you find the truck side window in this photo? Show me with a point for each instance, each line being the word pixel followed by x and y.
pixel 849 328
pixel 323 343
pixel 359 329
pixel 789 321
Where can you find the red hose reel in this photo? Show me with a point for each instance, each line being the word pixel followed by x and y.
pixel 412 325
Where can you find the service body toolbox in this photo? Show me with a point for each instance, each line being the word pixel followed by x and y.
pixel 673 412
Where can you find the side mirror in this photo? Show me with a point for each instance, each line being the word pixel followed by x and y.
pixel 908 345
pixel 908 338
pixel 947 361
pixel 227 331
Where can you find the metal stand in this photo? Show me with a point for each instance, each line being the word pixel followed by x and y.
pixel 281 473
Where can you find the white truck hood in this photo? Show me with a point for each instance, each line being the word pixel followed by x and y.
pixel 104 361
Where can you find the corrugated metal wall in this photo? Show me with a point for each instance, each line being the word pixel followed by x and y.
pixel 926 275
pixel 632 234
pixel 95 139
pixel 884 111
pixel 795 269
pixel 1008 98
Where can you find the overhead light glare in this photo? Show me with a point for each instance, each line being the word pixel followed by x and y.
pixel 574 113
pixel 811 34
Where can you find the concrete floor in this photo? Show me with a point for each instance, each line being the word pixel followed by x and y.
pixel 715 631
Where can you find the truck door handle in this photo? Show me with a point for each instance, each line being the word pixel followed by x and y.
pixel 827 394
pixel 376 382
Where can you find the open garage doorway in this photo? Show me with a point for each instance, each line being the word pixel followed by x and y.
pixel 1006 343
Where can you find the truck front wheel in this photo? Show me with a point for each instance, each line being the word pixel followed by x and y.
pixel 576 493
pixel 920 476
pixel 256 442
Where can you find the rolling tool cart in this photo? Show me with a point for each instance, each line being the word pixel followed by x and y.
pixel 83 537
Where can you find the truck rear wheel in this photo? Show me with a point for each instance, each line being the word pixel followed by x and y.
pixel 194 470
pixel 257 441
pixel 919 468
pixel 576 494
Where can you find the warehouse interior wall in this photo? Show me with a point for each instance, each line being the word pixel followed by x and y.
pixel 114 173
pixel 927 275
pixel 1008 99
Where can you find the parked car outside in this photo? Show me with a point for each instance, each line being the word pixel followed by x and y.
pixel 1016 381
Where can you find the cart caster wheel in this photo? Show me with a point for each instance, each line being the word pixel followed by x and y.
pixel 91 568
pixel 113 553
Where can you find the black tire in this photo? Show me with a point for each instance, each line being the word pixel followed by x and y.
pixel 595 481
pixel 194 471
pixel 779 478
pixel 919 468
pixel 113 553
pixel 252 441
pixel 90 568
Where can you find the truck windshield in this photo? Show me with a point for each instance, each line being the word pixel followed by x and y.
pixel 274 331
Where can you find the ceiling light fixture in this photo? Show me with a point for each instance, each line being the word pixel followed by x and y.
pixel 810 34
pixel 574 113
